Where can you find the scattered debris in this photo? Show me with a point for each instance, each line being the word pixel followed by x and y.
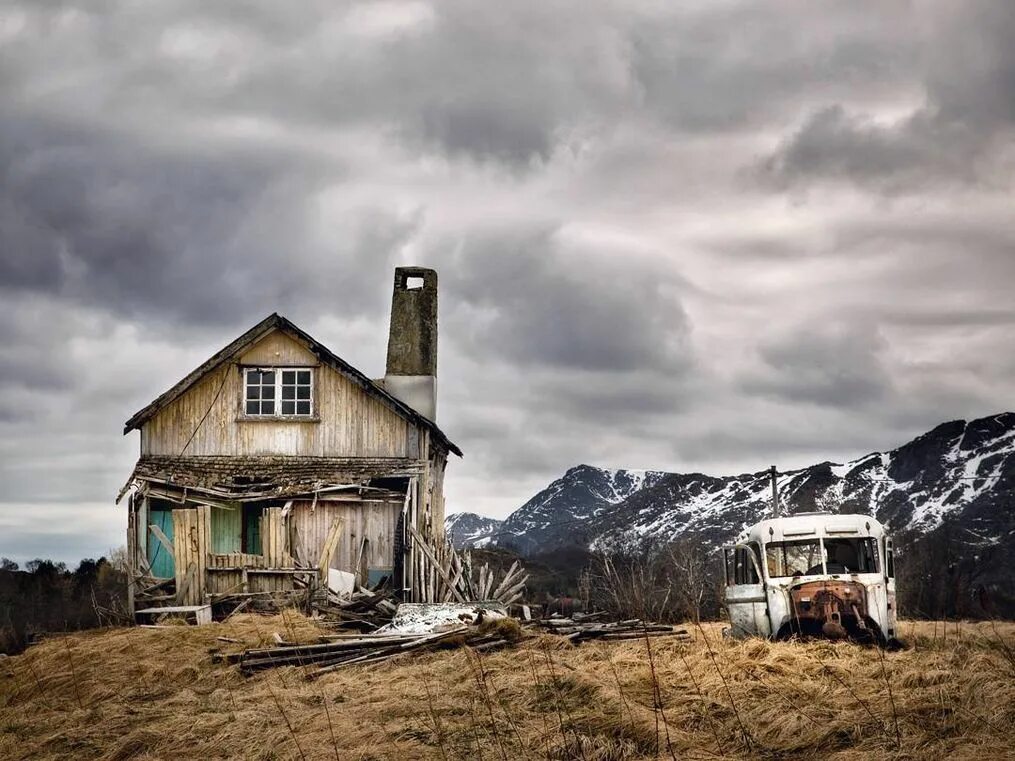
pixel 340 650
pixel 424 618
pixel 364 610
pixel 200 613
pixel 580 627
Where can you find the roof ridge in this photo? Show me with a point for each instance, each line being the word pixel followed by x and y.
pixel 276 321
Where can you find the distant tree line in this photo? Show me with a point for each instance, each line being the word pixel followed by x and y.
pixel 46 596
pixel 953 573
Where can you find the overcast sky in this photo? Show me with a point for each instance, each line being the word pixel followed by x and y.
pixel 687 236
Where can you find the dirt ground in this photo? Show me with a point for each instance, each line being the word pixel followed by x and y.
pixel 155 693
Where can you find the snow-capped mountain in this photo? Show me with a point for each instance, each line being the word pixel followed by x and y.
pixel 562 513
pixel 963 472
pixel 471 530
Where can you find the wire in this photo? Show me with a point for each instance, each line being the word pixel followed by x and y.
pixel 225 377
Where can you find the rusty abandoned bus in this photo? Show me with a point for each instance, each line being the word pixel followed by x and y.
pixel 812 574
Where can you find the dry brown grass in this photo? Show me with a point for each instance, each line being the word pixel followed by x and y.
pixel 137 693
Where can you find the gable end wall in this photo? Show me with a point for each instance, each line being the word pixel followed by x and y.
pixel 351 422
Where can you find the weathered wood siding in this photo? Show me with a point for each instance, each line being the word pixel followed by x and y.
pixel 350 423
pixel 373 521
pixel 438 463
pixel 226 529
pixel 191 539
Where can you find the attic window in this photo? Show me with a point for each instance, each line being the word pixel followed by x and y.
pixel 413 283
pixel 278 392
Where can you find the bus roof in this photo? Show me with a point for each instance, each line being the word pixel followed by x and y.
pixel 811 526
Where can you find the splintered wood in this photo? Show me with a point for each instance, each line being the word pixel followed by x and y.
pixel 584 627
pixel 339 651
pixel 440 574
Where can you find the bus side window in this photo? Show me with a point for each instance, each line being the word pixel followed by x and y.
pixel 728 565
pixel 889 559
pixel 756 552
pixel 744 571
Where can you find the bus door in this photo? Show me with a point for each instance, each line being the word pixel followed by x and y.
pixel 745 592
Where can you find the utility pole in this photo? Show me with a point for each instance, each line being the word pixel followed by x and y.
pixel 775 491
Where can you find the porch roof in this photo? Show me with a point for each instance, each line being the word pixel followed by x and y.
pixel 265 477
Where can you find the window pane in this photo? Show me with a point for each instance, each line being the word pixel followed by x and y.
pixel 303 392
pixel 302 408
pixel 304 376
pixel 267 392
pixel 288 376
pixel 252 408
pixel 268 376
pixel 288 408
pixel 793 558
pixel 288 392
pixel 253 392
pixel 851 556
pixel 253 376
pixel 267 408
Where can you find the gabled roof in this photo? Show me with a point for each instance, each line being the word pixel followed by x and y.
pixel 271 323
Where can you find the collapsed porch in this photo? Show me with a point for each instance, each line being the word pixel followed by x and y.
pixel 201 529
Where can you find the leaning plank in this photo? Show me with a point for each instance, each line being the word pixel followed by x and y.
pixel 163 539
pixel 506 582
pixel 330 544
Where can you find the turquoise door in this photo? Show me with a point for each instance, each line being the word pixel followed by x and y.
pixel 160 559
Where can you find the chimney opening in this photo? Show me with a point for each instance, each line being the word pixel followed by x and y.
pixel 413 283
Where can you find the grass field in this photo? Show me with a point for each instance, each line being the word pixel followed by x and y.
pixel 143 693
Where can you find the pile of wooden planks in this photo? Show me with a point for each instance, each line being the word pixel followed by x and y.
pixel 364 610
pixel 341 650
pixel 580 628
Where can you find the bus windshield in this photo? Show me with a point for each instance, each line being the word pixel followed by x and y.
pixel 805 558
pixel 801 558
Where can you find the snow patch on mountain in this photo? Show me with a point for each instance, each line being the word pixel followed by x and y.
pixel 471 530
pixel 960 469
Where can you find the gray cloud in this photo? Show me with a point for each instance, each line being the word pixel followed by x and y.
pixel 961 133
pixel 540 305
pixel 835 366
pixel 202 235
pixel 698 238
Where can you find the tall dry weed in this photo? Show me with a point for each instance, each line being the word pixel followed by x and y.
pixel 159 694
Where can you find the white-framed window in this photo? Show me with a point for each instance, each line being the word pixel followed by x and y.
pixel 278 391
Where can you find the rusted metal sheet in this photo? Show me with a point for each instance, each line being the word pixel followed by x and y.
pixel 831 607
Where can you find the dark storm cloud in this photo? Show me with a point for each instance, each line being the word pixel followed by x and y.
pixel 960 134
pixel 834 366
pixel 738 65
pixel 203 237
pixel 529 301
pixel 617 286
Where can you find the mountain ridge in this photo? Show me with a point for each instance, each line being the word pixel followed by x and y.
pixel 958 471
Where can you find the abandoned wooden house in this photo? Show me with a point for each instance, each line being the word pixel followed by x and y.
pixel 275 461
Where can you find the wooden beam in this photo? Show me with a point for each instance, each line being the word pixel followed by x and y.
pixel 163 539
pixel 330 544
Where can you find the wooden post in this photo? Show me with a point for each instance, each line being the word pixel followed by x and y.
pixel 330 544
pixel 775 491
pixel 131 553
